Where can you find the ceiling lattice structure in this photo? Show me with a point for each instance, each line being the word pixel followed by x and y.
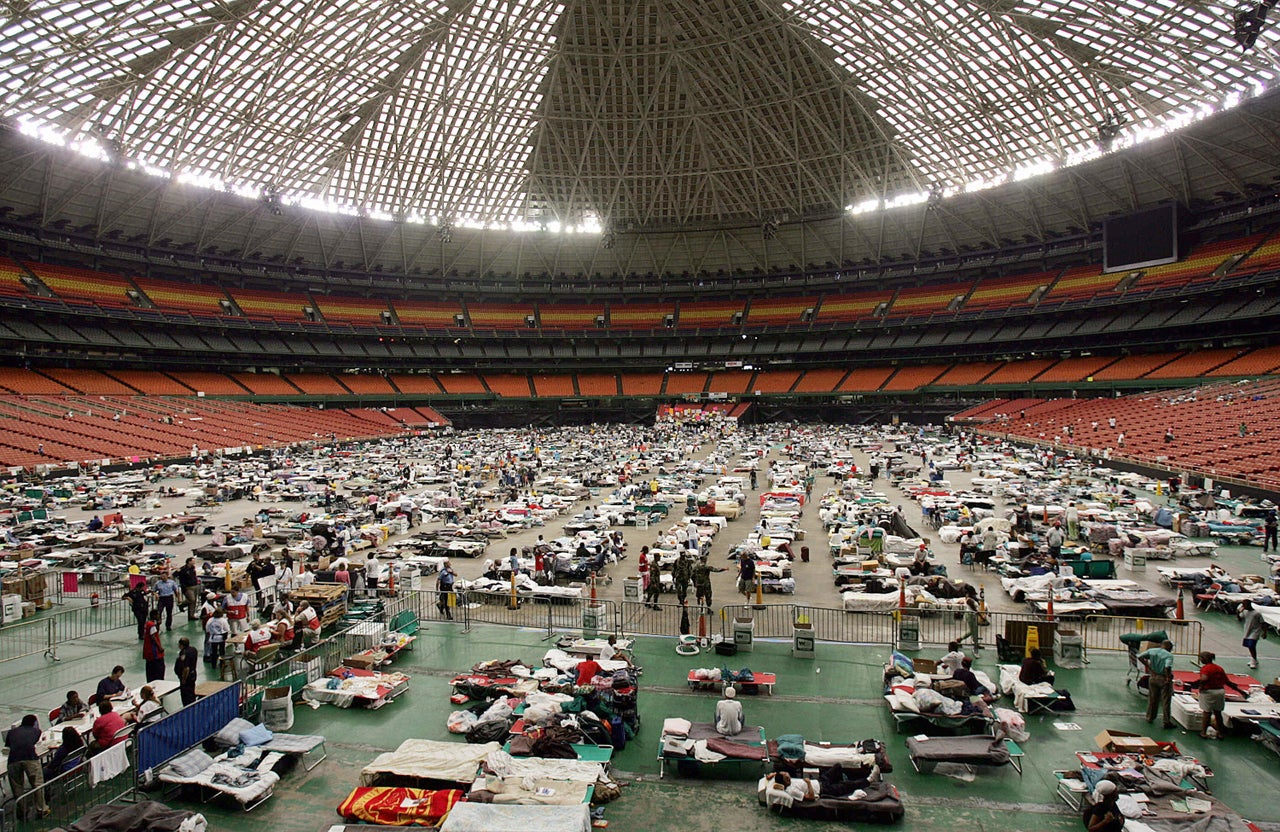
pixel 642 114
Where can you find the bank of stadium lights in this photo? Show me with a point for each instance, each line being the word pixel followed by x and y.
pixel 1122 136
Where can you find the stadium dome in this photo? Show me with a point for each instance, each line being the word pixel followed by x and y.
pixel 781 120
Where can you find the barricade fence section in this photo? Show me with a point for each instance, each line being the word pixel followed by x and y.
pixel 27 638
pixel 636 618
pixel 159 742
pixel 1102 632
pixel 68 585
pixel 68 796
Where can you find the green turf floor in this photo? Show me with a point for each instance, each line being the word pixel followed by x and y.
pixel 834 697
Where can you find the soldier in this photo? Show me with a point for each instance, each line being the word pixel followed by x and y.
pixel 702 581
pixel 655 584
pixel 682 573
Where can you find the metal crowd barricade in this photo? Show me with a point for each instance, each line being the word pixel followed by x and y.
pixel 68 796
pixel 160 741
pixel 71 585
pixel 1102 632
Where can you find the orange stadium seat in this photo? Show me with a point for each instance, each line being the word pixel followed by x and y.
pixel 358 311
pixel 417 383
pixel 429 315
pixel 1133 367
pixel 367 384
pixel 820 381
pixel 858 307
pixel 17 380
pixel 569 315
pixel 780 311
pixel 84 285
pixel 731 381
pixel 172 295
pixel 774 381
pixel 150 383
pixel 1265 258
pixel 911 378
pixel 1257 362
pixel 709 314
pixel 89 381
pixel 642 384
pixel 864 380
pixel 1005 292
pixel 965 374
pixel 1194 364
pixel 639 315
pixel 1081 283
pixel 265 384
pixel 1015 372
pixel 597 384
pixel 317 384
pixel 457 384
pixel 1075 369
pixel 509 385
pixel 554 386
pixel 508 316
pixel 11 274
pixel 214 384
pixel 271 305
pixel 678 383
pixel 1198 266
pixel 926 300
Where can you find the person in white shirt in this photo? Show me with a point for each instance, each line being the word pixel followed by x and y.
pixel 258 637
pixel 147 706
pixel 729 714
pixel 372 572
pixel 216 632
pixel 950 663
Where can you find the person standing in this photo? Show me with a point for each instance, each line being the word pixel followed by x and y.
pixel 702 581
pixel 24 761
pixel 372 573
pixel 166 594
pixel 1053 539
pixel 237 606
pixel 216 633
pixel 746 574
pixel 1255 627
pixel 152 649
pixel 139 604
pixel 654 588
pixel 1159 664
pixel 189 584
pixel 1073 521
pixel 1212 684
pixel 681 574
pixel 444 588
pixel 184 667
pixel 1269 527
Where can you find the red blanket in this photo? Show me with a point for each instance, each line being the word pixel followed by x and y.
pixel 393 806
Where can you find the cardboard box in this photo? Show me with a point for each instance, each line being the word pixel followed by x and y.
pixel 366 661
pixel 870 565
pixel 925 666
pixel 1124 742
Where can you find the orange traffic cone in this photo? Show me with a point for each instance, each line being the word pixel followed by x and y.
pixel 593 588
pixel 1179 612
pixel 702 626
pixel 1049 612
pixel 902 595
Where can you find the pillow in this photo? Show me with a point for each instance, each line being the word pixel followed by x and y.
pixel 191 763
pixel 255 735
pixel 908 702
pixel 675 726
pixel 230 733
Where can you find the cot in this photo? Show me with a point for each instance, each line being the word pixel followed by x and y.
pixel 700 744
pixel 347 687
pixel 877 803
pixel 247 778
pixel 975 750
pixel 762 681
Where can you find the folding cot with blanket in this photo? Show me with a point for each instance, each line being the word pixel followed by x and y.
pixel 391 806
pixel 247 777
pixel 1162 773
pixel 347 687
pixel 713 680
pixel 906 705
pixel 694 744
pixel 486 817
pixel 427 761
pixel 792 754
pixel 975 750
pixel 876 803
pixel 1028 699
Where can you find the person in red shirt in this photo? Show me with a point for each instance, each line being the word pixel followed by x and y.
pixel 587 670
pixel 106 726
pixel 152 649
pixel 1212 684
pixel 237 606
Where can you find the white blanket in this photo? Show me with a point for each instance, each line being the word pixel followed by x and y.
pixel 487 817
pixel 429 759
pixel 503 764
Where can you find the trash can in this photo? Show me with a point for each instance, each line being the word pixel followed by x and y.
pixel 277 709
pixel 908 632
pixel 804 554
pixel 592 618
pixel 631 588
pixel 744 631
pixel 1068 649
pixel 802 639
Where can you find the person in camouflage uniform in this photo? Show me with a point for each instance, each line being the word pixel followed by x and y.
pixel 702 581
pixel 655 584
pixel 682 574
